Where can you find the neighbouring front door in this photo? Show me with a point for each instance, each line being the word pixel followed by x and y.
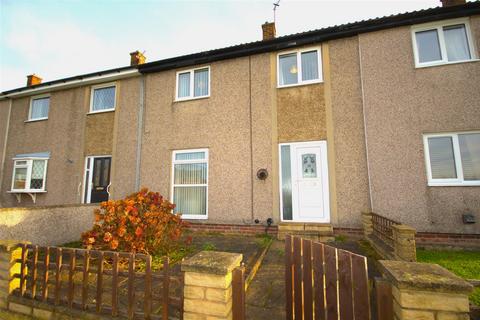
pixel 97 177
pixel 304 182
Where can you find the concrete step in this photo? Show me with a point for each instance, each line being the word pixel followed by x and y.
pixel 313 231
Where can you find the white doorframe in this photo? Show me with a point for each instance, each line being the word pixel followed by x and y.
pixel 322 169
pixel 87 185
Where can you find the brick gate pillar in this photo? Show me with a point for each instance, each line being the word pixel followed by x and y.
pixel 208 285
pixel 426 291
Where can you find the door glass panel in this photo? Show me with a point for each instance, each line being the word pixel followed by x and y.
pixel 470 152
pixel 97 172
pixel 286 183
pixel 20 178
pixel 442 160
pixel 309 165
pixel 106 172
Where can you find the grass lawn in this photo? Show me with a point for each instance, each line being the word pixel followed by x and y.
pixel 465 264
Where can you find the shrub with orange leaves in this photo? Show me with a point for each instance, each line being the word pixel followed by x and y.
pixel 142 222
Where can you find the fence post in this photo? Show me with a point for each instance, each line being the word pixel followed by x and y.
pixel 208 285
pixel 404 242
pixel 367 224
pixel 426 291
pixel 10 251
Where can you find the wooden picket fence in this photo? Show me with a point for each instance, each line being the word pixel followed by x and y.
pixel 324 283
pixel 104 282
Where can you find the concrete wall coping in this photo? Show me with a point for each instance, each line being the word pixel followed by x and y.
pixel 212 262
pixel 9 245
pixel 423 276
pixel 402 228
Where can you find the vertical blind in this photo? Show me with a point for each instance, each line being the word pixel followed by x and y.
pixel 428 46
pixel 456 42
pixel 40 108
pixel 103 98
pixel 288 69
pixel 201 83
pixel 190 183
pixel 184 85
pixel 442 159
pixel 470 153
pixel 309 65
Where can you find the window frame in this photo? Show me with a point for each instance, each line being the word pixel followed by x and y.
pixel 439 25
pixel 42 96
pixel 29 167
pixel 100 86
pixel 299 67
pixel 173 185
pixel 459 181
pixel 192 84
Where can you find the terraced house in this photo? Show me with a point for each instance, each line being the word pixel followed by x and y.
pixel 307 129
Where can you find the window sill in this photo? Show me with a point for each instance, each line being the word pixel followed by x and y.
pixel 442 63
pixel 455 184
pixel 299 84
pixel 194 217
pixel 190 98
pixel 101 111
pixel 36 120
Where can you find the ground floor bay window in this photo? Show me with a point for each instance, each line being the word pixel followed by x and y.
pixel 190 183
pixel 304 194
pixel 29 174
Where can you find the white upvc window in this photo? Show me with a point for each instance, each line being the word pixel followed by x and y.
pixel 39 107
pixel 29 174
pixel 193 84
pixel 453 159
pixel 102 98
pixel 299 67
pixel 190 183
pixel 443 43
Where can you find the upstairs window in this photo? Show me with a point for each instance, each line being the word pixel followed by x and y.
pixel 441 43
pixel 39 108
pixel 453 159
pixel 102 98
pixel 193 84
pixel 29 173
pixel 299 67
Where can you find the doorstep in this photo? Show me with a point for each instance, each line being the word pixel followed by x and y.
pixel 309 230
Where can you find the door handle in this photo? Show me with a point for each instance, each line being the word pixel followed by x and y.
pixel 108 188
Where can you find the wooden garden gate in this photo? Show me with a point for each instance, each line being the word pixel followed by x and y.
pixel 326 283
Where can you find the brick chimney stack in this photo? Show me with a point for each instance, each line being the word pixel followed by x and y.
pixel 33 79
pixel 137 58
pixel 268 29
pixel 451 3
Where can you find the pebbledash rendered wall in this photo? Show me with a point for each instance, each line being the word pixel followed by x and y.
pixel 70 134
pixel 401 104
pixel 52 225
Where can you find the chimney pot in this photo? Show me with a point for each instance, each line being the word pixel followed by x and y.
pixel 268 29
pixel 137 58
pixel 33 79
pixel 451 3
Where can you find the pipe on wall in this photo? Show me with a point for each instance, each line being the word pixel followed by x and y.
pixel 4 147
pixel 140 123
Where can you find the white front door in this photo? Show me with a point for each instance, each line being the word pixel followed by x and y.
pixel 308 182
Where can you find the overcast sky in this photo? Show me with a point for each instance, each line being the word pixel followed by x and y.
pixel 61 38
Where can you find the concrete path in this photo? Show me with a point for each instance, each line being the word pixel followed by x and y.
pixel 266 293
